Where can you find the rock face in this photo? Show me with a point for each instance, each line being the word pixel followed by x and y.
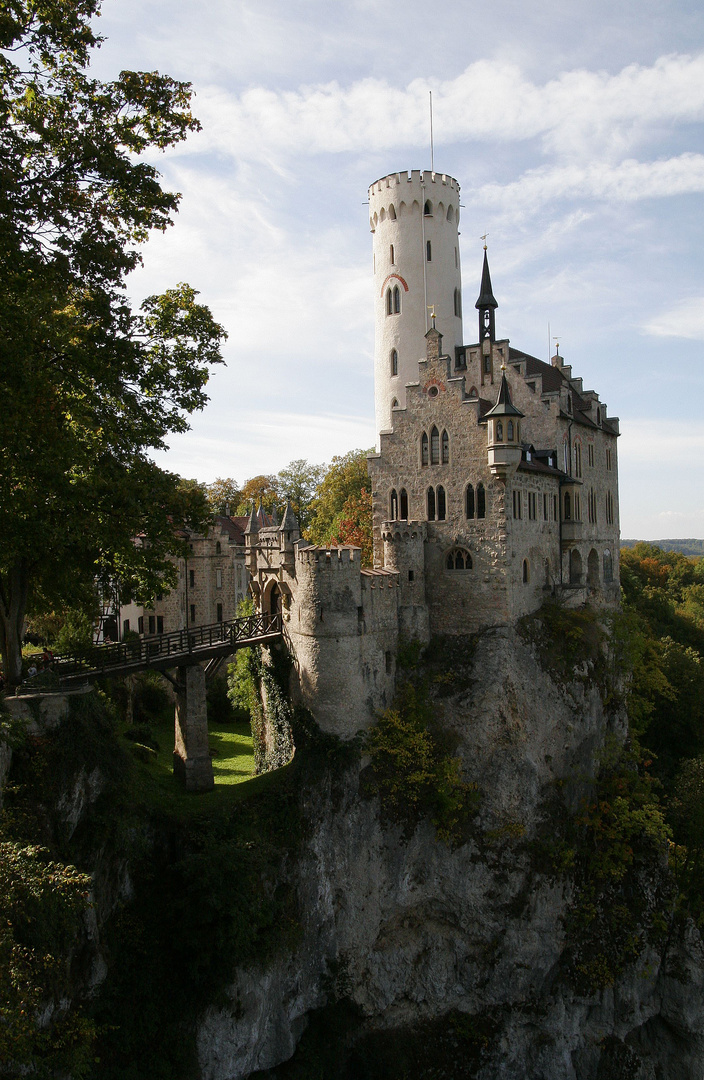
pixel 408 930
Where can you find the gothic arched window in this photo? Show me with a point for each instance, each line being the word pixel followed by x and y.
pixel 389 302
pixel 424 449
pixel 428 209
pixel 394 362
pixel 499 431
pixel 458 559
pixel 397 300
pixel 568 506
pixel 393 503
pixel 481 501
pixel 509 431
pixel 445 448
pixel 218 547
pixel 441 503
pixel 394 403
pixel 434 446
pixel 431 504
pixel 404 505
pixel 469 502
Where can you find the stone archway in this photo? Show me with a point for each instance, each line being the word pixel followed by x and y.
pixel 593 569
pixel 274 600
pixel 575 567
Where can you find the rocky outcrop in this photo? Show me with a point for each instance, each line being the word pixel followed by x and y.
pixel 407 930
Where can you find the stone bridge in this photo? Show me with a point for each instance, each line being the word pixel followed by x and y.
pixel 193 654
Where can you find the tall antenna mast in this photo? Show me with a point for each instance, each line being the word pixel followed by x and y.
pixel 432 159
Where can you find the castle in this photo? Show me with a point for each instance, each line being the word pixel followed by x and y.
pixel 494 484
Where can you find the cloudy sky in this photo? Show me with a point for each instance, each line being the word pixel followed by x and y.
pixel 575 130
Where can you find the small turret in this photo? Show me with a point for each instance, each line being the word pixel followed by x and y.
pixel 504 433
pixel 252 524
pixel 486 305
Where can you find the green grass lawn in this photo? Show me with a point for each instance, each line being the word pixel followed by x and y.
pixel 233 762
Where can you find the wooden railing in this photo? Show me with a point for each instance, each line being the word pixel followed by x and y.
pixel 166 650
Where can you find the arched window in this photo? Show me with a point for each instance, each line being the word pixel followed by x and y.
pixel 394 403
pixel 568 506
pixel 218 547
pixel 575 567
pixel 450 213
pixel 458 304
pixel 428 209
pixel 393 503
pixel 428 251
pixel 445 448
pixel 434 446
pixel 577 459
pixel 481 501
pixel 458 559
pixel 509 431
pixel 469 502
pixel 392 260
pixel 431 504
pixel 424 449
pixel 404 505
pixel 397 300
pixel 499 431
pixel 392 212
pixel 441 503
pixel 608 568
pixel 389 302
pixel 394 362
pixel 526 572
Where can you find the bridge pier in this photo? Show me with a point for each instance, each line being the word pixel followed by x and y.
pixel 192 761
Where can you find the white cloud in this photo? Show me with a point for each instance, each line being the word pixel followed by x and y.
pixel 628 181
pixel 577 114
pixel 683 320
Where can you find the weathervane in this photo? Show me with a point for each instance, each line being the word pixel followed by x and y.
pixel 484 239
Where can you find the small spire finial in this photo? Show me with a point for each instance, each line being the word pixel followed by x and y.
pixel 431 309
pixel 484 239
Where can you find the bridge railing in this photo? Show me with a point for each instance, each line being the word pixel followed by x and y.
pixel 159 649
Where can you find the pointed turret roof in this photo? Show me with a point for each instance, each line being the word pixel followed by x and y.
pixel 504 406
pixel 252 524
pixel 290 522
pixel 274 518
pixel 486 295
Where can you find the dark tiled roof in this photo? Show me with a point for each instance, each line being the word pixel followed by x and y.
pixel 486 295
pixel 232 527
pixel 504 406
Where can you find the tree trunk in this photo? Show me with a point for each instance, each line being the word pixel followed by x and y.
pixel 14 590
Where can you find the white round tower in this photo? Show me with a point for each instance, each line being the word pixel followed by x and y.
pixel 414 220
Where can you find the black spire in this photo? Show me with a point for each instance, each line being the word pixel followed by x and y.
pixel 504 406
pixel 486 305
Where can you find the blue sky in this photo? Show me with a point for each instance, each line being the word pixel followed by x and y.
pixel 576 133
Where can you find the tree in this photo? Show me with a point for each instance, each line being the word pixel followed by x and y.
pixel 343 506
pixel 223 495
pixel 87 385
pixel 259 489
pixel 298 484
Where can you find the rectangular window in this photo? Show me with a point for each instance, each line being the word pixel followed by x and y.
pixel 546 508
pixel 193 613
pixel 219 615
pixel 152 624
pixel 577 507
pixel 160 624
pixel 590 454
pixel 192 578
pixel 532 505
pixel 218 579
pixel 608 459
pixel 517 505
pixel 140 624
pixel 126 627
pixel 554 508
pixel 428 251
pixel 410 575
pixel 160 596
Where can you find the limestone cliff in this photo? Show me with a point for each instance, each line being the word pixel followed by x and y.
pixel 466 950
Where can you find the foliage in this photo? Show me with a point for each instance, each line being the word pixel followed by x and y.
pixel 342 510
pixel 412 771
pixel 223 495
pixel 566 638
pixel 618 848
pixel 259 490
pixel 298 484
pixel 88 385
